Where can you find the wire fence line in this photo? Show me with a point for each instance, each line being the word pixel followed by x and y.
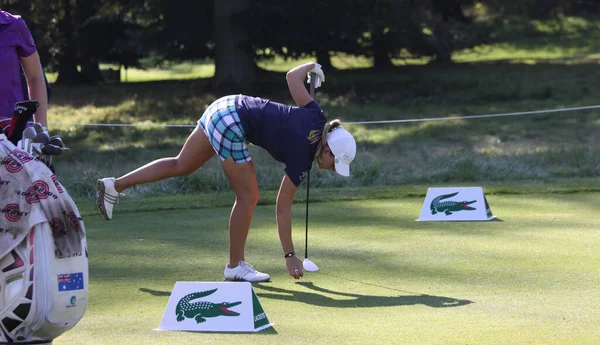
pixel 469 117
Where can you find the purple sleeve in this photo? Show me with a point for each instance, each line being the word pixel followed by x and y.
pixel 297 171
pixel 25 44
pixel 313 105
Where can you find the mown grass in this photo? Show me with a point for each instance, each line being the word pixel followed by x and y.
pixel 385 279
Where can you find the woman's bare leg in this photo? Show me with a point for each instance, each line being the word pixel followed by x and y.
pixel 242 178
pixel 195 152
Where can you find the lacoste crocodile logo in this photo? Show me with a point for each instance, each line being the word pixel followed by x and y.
pixel 449 206
pixel 201 309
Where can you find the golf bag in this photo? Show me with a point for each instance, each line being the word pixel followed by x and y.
pixel 43 251
pixel 42 295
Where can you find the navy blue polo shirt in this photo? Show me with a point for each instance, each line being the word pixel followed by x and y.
pixel 283 131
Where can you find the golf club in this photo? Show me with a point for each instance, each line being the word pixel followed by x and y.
pixel 41 138
pixel 38 142
pixel 28 134
pixel 36 151
pixel 307 264
pixel 50 150
pixel 38 127
pixel 56 140
pixel 22 113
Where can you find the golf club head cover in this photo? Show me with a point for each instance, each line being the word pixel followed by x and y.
pixel 42 295
pixel 22 113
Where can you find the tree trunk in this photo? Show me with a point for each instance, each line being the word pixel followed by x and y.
pixel 324 58
pixel 380 50
pixel 67 61
pixel 235 68
pixel 443 44
pixel 90 70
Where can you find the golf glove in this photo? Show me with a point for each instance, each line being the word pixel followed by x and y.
pixel 320 76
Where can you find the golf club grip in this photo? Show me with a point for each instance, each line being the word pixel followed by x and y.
pixel 313 78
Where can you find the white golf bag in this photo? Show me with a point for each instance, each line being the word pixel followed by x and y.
pixel 43 252
pixel 42 295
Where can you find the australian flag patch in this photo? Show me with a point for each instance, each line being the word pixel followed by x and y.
pixel 70 281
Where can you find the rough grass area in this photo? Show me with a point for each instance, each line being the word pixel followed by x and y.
pixel 528 66
pixel 533 147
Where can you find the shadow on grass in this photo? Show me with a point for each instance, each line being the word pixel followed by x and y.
pixel 357 301
pixel 156 292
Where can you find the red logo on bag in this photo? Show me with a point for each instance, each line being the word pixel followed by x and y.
pixel 23 157
pixel 12 166
pixel 57 184
pixel 58 228
pixel 31 195
pixel 12 212
pixel 74 221
pixel 42 189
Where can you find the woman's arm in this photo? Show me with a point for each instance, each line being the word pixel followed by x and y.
pixel 285 199
pixel 295 80
pixel 37 86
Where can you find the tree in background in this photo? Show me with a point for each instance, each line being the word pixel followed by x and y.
pixel 235 67
pixel 185 30
pixel 75 36
pixel 294 29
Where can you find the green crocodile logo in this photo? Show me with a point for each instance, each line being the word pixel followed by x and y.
pixel 449 206
pixel 201 309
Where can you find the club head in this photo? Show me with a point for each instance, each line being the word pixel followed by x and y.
pixel 38 127
pixel 52 150
pixel 56 140
pixel 29 133
pixel 42 138
pixel 309 265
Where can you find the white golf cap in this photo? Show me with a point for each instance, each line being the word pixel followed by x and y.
pixel 343 147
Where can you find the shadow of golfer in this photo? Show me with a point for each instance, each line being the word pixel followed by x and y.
pixel 156 292
pixel 354 300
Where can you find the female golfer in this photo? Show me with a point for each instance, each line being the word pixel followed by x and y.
pixel 294 136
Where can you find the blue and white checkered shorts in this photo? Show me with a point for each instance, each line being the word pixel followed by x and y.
pixel 221 124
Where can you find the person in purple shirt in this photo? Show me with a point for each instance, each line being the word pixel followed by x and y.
pixel 294 135
pixel 18 50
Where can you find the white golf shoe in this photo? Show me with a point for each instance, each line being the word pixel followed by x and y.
pixel 106 196
pixel 245 272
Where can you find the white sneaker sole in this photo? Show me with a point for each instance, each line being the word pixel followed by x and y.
pixel 100 199
pixel 249 281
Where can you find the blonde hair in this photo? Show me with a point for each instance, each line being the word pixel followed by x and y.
pixel 317 136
